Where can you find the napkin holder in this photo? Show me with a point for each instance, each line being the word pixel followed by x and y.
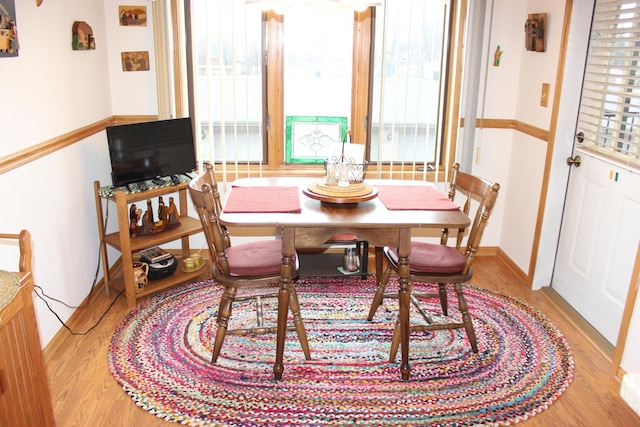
pixel 343 170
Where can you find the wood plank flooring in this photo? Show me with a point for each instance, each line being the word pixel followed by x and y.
pixel 85 394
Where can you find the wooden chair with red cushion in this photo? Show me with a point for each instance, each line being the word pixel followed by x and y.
pixel 439 263
pixel 254 266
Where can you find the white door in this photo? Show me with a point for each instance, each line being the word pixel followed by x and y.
pixel 601 223
pixel 598 242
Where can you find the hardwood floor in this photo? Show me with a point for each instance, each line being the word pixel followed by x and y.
pixel 85 394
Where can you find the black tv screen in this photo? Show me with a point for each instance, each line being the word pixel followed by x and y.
pixel 143 151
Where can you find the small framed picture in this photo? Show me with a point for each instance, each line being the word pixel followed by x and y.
pixel 135 61
pixel 8 30
pixel 132 16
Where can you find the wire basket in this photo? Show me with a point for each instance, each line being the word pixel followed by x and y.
pixel 355 171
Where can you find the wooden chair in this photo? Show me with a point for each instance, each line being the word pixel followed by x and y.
pixel 254 265
pixel 439 263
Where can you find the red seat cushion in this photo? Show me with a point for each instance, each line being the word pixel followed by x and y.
pixel 259 258
pixel 432 258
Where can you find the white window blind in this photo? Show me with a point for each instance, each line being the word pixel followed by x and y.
pixel 227 82
pixel 407 99
pixel 611 92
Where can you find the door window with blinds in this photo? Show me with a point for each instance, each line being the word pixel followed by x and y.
pixel 232 57
pixel 608 121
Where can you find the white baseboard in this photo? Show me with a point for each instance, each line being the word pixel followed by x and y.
pixel 630 391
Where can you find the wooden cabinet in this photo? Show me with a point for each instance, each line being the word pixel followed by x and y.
pixel 120 275
pixel 24 389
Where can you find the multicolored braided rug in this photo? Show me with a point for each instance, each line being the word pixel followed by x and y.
pixel 160 355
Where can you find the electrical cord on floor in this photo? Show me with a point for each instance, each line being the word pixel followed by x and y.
pixel 64 324
pixel 44 296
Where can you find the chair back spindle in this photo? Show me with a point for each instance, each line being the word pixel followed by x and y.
pixel 485 193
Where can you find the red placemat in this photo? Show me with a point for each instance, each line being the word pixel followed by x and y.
pixel 414 197
pixel 263 200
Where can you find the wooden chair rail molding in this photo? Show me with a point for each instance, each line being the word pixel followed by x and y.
pixel 37 151
pixel 29 154
pixel 511 124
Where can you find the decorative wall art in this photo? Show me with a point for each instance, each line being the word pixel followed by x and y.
pixel 535 28
pixel 133 15
pixel 496 57
pixel 135 61
pixel 82 36
pixel 8 30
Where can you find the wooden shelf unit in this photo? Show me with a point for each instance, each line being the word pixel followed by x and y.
pixel 120 275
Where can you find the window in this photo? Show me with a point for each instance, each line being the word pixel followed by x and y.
pixel 317 51
pixel 611 91
pixel 255 69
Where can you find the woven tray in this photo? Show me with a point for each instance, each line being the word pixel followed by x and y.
pixel 9 287
pixel 353 190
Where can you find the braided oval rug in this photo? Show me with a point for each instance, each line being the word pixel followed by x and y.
pixel 160 355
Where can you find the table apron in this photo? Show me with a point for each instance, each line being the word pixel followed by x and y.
pixel 311 237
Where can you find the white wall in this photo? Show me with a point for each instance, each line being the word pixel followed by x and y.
pixel 497 100
pixel 564 138
pixel 133 93
pixel 537 68
pixel 511 91
pixel 51 88
pixel 54 90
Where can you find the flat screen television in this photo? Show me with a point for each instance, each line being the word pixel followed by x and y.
pixel 143 151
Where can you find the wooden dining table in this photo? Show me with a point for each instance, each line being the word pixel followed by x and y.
pixel 308 220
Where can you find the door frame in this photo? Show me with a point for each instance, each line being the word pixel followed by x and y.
pixel 627 315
